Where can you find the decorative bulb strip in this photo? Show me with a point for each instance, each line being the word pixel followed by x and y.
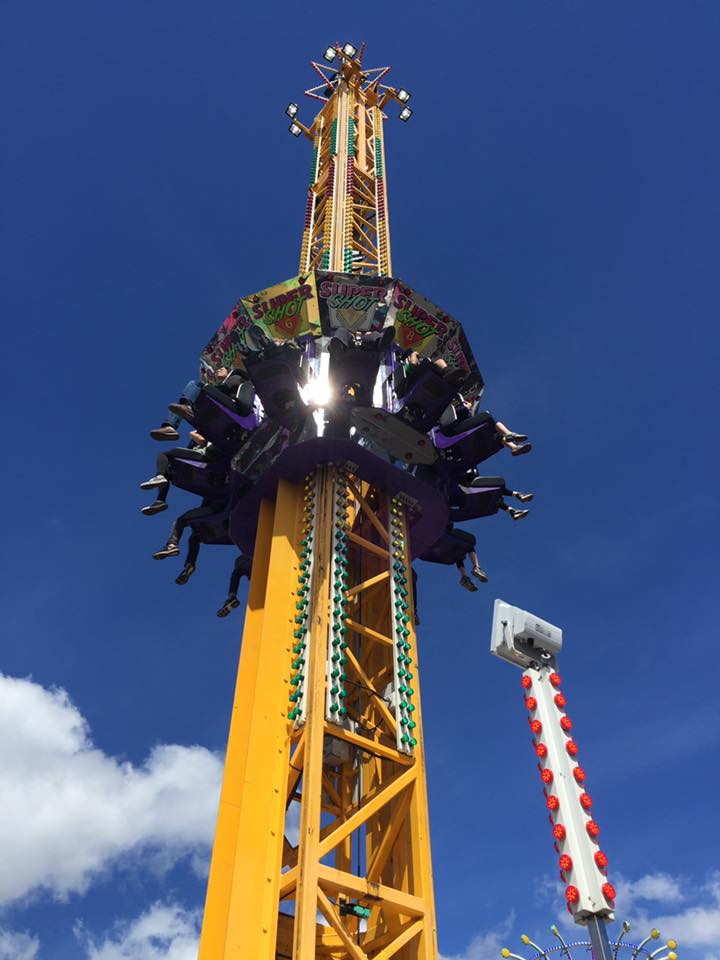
pixel 404 664
pixel 349 191
pixel 311 200
pixel 335 708
pixel 582 864
pixel 303 598
pixel 580 948
pixel 380 195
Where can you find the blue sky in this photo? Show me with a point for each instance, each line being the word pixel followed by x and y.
pixel 557 191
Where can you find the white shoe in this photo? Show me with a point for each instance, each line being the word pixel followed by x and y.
pixel 157 481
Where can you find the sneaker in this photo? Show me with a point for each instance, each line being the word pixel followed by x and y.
pixel 165 433
pixel 169 550
pixel 466 582
pixel 523 497
pixel 480 574
pixel 518 514
pixel 519 451
pixel 183 410
pixel 157 481
pixel 516 437
pixel 187 571
pixel 228 607
pixel 157 507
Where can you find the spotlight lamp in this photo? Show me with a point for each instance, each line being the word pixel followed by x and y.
pixel 330 54
pixel 405 114
pixel 403 95
pixel 295 129
pixel 349 50
pixel 291 110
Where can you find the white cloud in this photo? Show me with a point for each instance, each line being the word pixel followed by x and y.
pixel 18 946
pixel 68 810
pixel 164 932
pixel 651 887
pixel 486 945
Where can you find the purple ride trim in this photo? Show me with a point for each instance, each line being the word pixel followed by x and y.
pixel 248 423
pixel 442 441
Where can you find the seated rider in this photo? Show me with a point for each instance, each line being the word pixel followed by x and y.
pixel 467 419
pixel 241 568
pixel 201 451
pixel 412 366
pixel 172 548
pixel 226 381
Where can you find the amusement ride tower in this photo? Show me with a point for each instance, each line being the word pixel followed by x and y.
pixel 323 810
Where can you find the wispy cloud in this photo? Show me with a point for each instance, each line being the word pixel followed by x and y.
pixel 18 946
pixel 163 932
pixel 487 944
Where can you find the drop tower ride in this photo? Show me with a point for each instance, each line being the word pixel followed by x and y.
pixel 323 810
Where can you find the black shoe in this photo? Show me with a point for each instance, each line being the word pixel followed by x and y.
pixel 519 451
pixel 228 607
pixel 466 582
pixel 480 574
pixel 187 571
pixel 165 433
pixel 157 507
pixel 157 481
pixel 523 497
pixel 183 410
pixel 518 514
pixel 169 550
pixel 515 437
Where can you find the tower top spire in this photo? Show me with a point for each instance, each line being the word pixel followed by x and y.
pixel 347 227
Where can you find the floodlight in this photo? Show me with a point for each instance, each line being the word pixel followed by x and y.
pixel 349 50
pixel 403 95
pixel 330 54
pixel 406 113
pixel 521 637
pixel 291 110
pixel 295 129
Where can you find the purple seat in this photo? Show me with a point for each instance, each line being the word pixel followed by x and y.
pixel 223 421
pixel 452 547
pixel 471 503
pixel 464 449
pixel 207 480
pixel 213 528
pixel 355 368
pixel 276 377
pixel 428 395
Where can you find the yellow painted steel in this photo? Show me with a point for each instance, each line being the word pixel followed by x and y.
pixel 321 813
pixel 347 227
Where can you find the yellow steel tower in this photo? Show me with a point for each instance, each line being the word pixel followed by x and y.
pixel 322 846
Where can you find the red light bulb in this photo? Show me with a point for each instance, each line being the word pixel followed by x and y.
pixel 565 863
pixel 566 723
pixel 531 703
pixel 552 802
pixel 579 774
pixel 592 828
pixel 546 775
pixel 559 831
pixel 585 801
pixel 541 750
pixel 526 682
pixel 601 860
pixel 608 891
pixel 555 679
pixel 535 726
pixel 560 700
pixel 572 748
pixel 572 894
